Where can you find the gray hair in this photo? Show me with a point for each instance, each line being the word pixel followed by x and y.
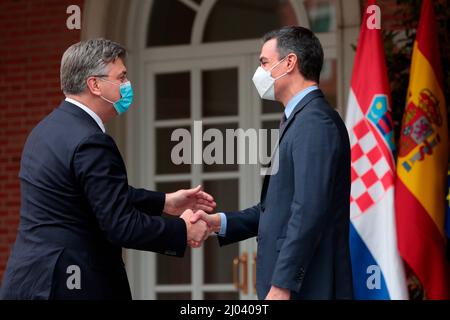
pixel 87 58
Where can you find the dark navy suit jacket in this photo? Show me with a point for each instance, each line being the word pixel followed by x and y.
pixel 77 209
pixel 302 220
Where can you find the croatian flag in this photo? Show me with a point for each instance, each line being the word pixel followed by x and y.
pixel 378 271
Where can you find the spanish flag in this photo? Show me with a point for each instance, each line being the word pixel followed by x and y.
pixel 422 165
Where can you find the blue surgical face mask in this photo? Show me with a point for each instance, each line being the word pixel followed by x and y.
pixel 126 96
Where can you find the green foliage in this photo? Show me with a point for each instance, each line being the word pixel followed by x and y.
pixel 398 48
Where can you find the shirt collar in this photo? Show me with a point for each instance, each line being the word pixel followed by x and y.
pixel 296 100
pixel 89 112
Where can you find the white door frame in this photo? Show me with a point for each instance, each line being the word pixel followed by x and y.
pixel 195 67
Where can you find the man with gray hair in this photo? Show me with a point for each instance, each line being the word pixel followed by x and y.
pixel 77 209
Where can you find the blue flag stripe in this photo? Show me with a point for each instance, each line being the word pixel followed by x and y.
pixel 362 260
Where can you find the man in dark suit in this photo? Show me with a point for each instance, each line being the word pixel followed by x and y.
pixel 302 220
pixel 77 209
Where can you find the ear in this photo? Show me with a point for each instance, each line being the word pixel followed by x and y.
pixel 291 61
pixel 93 86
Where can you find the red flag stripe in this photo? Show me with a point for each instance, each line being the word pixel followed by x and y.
pixel 427 39
pixel 420 243
pixel 364 86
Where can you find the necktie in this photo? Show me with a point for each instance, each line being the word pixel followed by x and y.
pixel 283 121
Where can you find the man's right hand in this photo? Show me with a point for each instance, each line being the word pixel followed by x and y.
pixel 197 231
pixel 213 220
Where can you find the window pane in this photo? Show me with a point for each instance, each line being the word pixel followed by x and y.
pixel 173 96
pixel 220 92
pixel 269 106
pixel 328 81
pixel 170 23
pixel 221 296
pixel 209 149
pixel 167 187
pixel 271 124
pixel 218 261
pixel 225 192
pixel 321 15
pixel 164 146
pixel 250 19
pixel 173 296
pixel 168 268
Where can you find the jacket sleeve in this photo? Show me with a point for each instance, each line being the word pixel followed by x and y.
pixel 314 159
pixel 101 174
pixel 241 225
pixel 150 202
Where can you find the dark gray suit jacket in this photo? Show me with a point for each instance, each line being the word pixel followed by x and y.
pixel 77 209
pixel 302 220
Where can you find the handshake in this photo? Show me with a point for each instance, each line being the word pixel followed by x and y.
pixel 193 206
pixel 199 226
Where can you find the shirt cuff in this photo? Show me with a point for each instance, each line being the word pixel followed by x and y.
pixel 223 224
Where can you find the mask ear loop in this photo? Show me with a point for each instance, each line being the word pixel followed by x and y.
pixel 280 76
pixel 270 70
pixel 102 97
pixel 107 100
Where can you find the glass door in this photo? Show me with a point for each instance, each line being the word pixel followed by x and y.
pixel 203 96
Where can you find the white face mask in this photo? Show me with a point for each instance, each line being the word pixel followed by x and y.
pixel 265 83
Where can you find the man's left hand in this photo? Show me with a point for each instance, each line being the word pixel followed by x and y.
pixel 276 293
pixel 194 199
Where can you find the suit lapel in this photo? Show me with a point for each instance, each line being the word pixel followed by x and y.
pixel 300 106
pixel 307 99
